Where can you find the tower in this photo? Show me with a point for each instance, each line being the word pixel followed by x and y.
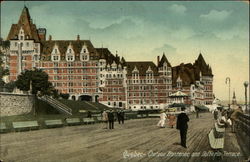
pixel 234 102
pixel 19 65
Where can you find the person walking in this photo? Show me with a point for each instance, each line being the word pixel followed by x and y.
pixel 161 123
pixel 197 111
pixel 105 119
pixel 182 125
pixel 215 112
pixel 122 116
pixel 171 120
pixel 235 117
pixel 111 119
pixel 118 115
pixel 89 115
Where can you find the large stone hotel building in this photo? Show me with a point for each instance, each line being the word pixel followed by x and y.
pixel 77 68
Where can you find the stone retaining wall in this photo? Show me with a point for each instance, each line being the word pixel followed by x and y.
pixel 15 104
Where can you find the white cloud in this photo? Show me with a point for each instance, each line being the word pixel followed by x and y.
pixel 215 15
pixel 179 9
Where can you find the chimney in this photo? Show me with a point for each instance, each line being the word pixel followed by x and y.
pixel 50 37
pixel 158 60
pixel 42 34
pixel 78 37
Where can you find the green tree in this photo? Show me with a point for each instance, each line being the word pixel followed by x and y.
pixel 4 45
pixel 38 80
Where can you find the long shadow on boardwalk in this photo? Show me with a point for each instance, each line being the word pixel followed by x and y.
pixel 136 140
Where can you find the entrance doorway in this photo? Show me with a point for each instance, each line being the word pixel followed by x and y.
pixel 85 98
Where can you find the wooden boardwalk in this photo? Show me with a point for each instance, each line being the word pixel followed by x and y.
pixel 136 140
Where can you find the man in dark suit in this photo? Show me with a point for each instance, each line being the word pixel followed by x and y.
pixel 111 119
pixel 118 114
pixel 182 125
pixel 122 116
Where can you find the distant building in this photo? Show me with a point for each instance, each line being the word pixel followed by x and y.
pixel 196 80
pixel 87 73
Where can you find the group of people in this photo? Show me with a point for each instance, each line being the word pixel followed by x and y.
pixel 181 123
pixel 108 117
pixel 228 117
pixel 169 116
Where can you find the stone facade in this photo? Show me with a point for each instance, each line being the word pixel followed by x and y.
pixel 15 104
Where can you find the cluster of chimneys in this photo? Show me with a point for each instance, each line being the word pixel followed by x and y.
pixel 78 37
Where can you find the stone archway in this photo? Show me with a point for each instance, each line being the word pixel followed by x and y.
pixel 73 98
pixel 85 98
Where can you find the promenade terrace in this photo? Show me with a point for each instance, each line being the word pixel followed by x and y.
pixel 136 140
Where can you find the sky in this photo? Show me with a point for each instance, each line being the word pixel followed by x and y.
pixel 144 30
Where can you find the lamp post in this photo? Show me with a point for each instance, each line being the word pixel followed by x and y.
pixel 246 85
pixel 228 81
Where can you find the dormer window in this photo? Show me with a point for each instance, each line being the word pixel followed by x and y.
pixel 84 57
pixel 70 58
pixel 55 54
pixel 179 82
pixel 21 34
pixel 55 58
pixel 84 53
pixel 70 54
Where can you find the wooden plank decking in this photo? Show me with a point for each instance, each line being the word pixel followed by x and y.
pixel 139 138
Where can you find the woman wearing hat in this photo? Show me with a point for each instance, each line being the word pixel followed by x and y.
pixel 171 119
pixel 161 123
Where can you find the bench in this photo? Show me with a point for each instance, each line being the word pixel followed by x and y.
pixel 218 129
pixel 88 120
pixel 215 143
pixel 25 125
pixel 130 115
pixel 73 121
pixel 139 116
pixel 53 123
pixel 153 115
pixel 3 128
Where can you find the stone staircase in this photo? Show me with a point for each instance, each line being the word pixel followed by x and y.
pixel 57 105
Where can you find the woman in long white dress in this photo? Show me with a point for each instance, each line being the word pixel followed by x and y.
pixel 161 123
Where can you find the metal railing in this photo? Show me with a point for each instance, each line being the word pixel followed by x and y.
pixel 56 104
pixel 243 133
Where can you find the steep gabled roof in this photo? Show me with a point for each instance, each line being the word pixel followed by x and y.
pixel 163 60
pixel 47 47
pixel 186 74
pixel 201 66
pixel 142 67
pixel 26 23
pixel 104 53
